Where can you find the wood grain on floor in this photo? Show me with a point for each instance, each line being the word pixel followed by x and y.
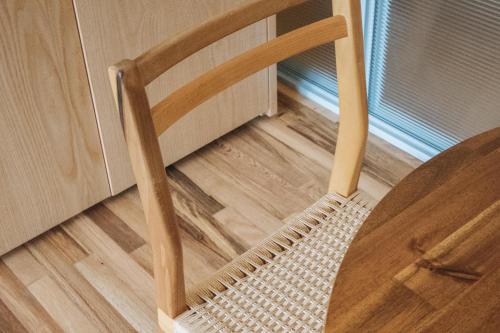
pixel 94 272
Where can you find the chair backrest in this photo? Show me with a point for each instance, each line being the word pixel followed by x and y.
pixel 142 124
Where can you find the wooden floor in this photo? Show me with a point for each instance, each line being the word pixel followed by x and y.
pixel 93 273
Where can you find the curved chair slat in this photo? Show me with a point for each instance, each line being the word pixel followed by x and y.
pixel 186 98
pixel 164 56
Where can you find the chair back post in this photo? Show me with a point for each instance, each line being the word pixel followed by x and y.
pixel 353 106
pixel 147 164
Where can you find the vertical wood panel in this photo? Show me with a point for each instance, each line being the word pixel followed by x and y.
pixel 273 71
pixel 113 30
pixel 51 163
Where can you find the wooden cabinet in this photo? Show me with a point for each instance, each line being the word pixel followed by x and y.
pixel 51 161
pixel 114 29
pixel 61 145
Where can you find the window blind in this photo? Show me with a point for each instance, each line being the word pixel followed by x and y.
pixel 316 66
pixel 435 69
pixel 434 66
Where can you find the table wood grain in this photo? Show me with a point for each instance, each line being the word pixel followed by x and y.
pixel 428 257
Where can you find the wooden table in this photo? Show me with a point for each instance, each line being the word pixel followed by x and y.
pixel 428 257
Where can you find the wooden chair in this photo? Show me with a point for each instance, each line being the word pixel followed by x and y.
pixel 284 283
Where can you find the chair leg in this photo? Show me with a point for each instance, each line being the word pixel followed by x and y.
pixel 353 124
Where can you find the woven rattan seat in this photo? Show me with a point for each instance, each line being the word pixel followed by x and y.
pixel 284 283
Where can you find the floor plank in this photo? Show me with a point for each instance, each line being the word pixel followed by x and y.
pixel 9 322
pixel 23 305
pixel 26 268
pixel 112 225
pixel 105 250
pixel 59 253
pixel 60 307
pixel 119 294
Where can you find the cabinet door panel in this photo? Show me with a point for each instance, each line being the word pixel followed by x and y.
pixel 115 29
pixel 51 162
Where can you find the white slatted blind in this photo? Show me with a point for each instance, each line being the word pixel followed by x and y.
pixel 436 68
pixel 316 66
pixel 435 65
